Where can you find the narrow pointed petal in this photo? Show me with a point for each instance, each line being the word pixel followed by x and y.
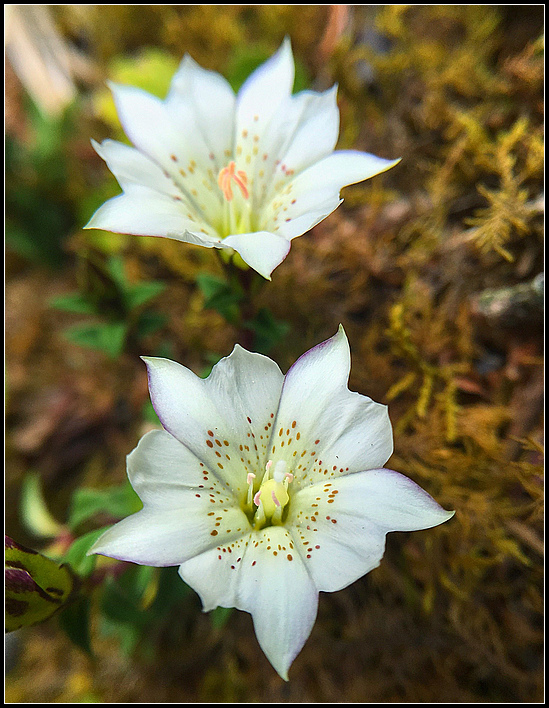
pixel 265 577
pixel 130 166
pixel 206 90
pixel 166 132
pixel 186 506
pixel 147 124
pixel 265 90
pixel 291 220
pixel 304 129
pixel 326 429
pixel 224 419
pixel 316 134
pixel 144 212
pixel 263 251
pixel 162 470
pixel 163 537
pixel 340 169
pixel 303 201
pixel 340 525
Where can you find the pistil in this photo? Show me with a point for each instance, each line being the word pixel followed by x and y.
pixel 237 209
pixel 272 495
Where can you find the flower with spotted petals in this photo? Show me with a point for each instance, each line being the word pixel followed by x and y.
pixel 266 489
pixel 245 173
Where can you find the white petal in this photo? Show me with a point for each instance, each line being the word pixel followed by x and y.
pixel 340 525
pixel 147 124
pixel 215 573
pixel 171 140
pixel 303 124
pixel 293 218
pixel 265 90
pixel 225 420
pixel 263 251
pixel 262 575
pixel 322 429
pixel 162 470
pixel 128 165
pixel 144 212
pixel 213 101
pixel 340 169
pixel 317 132
pixel 159 536
pixel 300 203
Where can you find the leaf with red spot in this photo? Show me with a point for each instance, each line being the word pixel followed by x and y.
pixel 36 586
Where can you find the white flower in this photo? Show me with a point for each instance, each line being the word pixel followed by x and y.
pixel 266 489
pixel 248 172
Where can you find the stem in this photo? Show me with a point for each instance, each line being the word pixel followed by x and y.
pixel 249 284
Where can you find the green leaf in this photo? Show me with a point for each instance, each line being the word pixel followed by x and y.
pixel 220 616
pixel 82 564
pixel 150 322
pixel 107 337
pixel 121 599
pixel 149 414
pixel 220 296
pixel 117 270
pixel 268 330
pixel 140 293
pixel 171 592
pixel 74 302
pixel 74 620
pixel 36 586
pixel 118 502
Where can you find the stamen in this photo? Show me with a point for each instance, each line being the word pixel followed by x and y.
pixel 229 173
pixel 250 481
pixel 272 503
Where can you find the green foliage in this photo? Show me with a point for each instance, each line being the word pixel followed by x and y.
pixel 220 616
pixel 39 213
pixel 136 606
pixel 107 293
pixel 268 330
pixel 36 586
pixel 221 296
pixel 107 337
pixel 74 621
pixel 116 502
pixel 77 556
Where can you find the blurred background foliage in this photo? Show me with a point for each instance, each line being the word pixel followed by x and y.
pixel 435 270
